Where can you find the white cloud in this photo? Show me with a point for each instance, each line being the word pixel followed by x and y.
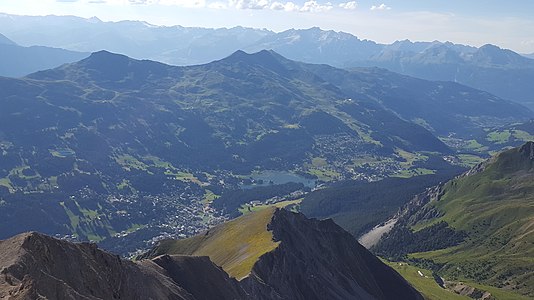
pixel 250 4
pixel 288 6
pixel 351 5
pixel 314 6
pixel 277 6
pixel 309 6
pixel 380 7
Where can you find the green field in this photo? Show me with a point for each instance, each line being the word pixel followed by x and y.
pixel 427 286
pixel 470 160
pixel 7 183
pixel 499 137
pixel 409 157
pixel 324 174
pixel 209 196
pixel 319 162
pixel 88 222
pixel 129 162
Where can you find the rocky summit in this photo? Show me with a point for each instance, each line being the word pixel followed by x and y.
pixel 298 258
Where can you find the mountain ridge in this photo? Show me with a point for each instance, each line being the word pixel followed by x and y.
pixel 475 67
pixel 33 264
pixel 322 75
pixel 291 232
pixel 253 45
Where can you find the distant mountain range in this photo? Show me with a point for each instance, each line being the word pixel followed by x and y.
pixel 476 227
pixel 175 45
pixel 268 255
pixel 489 68
pixel 317 46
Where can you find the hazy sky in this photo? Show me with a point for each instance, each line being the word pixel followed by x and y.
pixel 509 24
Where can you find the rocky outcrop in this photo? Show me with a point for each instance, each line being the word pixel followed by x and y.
pixel 528 150
pixel 469 291
pixel 320 260
pixel 417 209
pixel 200 277
pixel 35 266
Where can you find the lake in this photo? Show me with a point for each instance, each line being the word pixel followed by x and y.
pixel 278 177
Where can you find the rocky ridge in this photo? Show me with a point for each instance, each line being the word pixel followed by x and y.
pixel 312 260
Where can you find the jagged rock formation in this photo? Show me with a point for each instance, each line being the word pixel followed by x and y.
pixel 35 266
pixel 311 260
pixel 324 262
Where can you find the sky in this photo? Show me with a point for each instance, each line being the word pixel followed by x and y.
pixel 508 24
